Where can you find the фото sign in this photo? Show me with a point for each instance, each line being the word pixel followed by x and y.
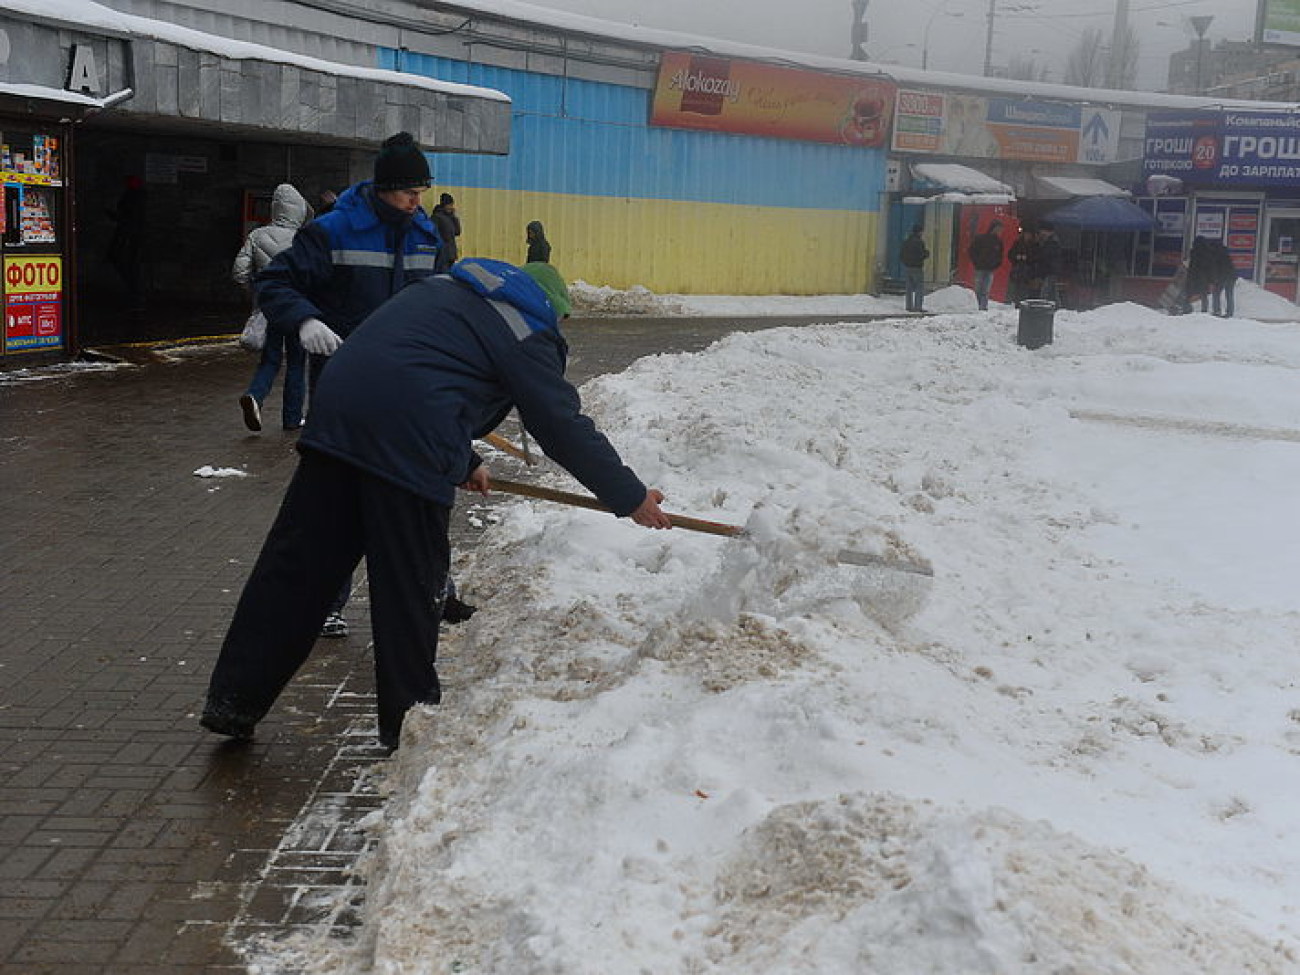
pixel 33 303
pixel 973 126
pixel 745 98
pixel 1227 148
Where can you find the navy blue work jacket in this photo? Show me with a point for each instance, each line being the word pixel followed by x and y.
pixel 442 363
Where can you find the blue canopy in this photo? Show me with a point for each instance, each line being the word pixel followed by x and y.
pixel 1102 213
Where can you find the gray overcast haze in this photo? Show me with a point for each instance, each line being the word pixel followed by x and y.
pixel 1045 29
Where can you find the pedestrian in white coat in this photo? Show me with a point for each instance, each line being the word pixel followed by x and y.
pixel 289 211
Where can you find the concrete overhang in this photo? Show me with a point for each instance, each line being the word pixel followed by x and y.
pixel 163 76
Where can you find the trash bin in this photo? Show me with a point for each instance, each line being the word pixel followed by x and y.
pixel 1035 329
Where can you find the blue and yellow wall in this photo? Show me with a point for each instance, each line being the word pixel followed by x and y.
pixel 676 211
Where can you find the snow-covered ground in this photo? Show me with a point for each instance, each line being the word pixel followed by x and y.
pixel 1075 749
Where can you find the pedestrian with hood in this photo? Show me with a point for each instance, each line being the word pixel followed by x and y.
pixel 341 267
pixel 913 255
pixel 447 220
pixel 387 442
pixel 539 248
pixel 289 211
pixel 985 253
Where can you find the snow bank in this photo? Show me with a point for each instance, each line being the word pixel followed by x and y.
pixel 1072 750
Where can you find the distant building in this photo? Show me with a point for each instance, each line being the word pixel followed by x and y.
pixel 1236 69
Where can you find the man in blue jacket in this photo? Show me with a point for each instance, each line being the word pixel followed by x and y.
pixel 372 243
pixel 387 443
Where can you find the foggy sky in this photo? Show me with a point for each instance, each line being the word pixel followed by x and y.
pixel 1044 29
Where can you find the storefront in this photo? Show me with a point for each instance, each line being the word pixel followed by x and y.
pixel 1230 176
pixel 966 160
pixel 94 102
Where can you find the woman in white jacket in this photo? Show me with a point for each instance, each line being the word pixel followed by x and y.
pixel 289 211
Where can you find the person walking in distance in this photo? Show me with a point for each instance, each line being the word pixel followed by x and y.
pixel 913 255
pixel 447 220
pixel 387 442
pixel 342 266
pixel 985 252
pixel 539 248
pixel 289 211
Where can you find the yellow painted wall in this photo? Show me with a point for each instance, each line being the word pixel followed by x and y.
pixel 675 248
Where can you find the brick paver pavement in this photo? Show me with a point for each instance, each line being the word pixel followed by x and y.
pixel 131 841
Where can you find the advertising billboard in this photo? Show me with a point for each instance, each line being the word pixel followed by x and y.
pixel 745 98
pixel 1227 148
pixel 33 303
pixel 973 126
pixel 1280 22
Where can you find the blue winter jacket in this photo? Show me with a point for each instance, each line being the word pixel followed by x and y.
pixel 442 363
pixel 343 265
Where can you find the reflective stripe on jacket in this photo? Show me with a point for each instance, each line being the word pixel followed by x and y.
pixel 345 264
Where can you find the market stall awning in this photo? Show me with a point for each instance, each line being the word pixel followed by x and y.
pixel 1102 213
pixel 1064 187
pixel 958 179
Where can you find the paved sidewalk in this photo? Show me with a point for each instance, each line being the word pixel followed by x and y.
pixel 130 840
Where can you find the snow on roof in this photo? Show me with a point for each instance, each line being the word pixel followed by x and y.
pixel 960 179
pixel 51 95
pixel 87 15
pixel 1082 186
pixel 651 37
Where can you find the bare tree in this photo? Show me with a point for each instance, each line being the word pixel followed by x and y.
pixel 1086 65
pixel 1023 67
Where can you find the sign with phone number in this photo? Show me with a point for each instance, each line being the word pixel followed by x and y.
pixel 33 303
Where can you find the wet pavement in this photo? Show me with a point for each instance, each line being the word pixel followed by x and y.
pixel 130 840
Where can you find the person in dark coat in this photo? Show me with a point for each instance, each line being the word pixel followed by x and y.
pixel 387 443
pixel 447 220
pixel 1048 263
pixel 345 264
pixel 985 252
pixel 539 248
pixel 126 248
pixel 1224 280
pixel 1023 256
pixel 913 255
pixel 1210 275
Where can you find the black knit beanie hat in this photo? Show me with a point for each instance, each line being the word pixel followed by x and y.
pixel 401 165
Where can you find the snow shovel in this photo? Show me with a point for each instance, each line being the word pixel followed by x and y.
pixel 844 555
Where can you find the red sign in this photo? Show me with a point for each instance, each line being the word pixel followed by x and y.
pixel 33 303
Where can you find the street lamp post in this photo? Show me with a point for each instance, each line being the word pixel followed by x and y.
pixel 925 38
pixel 1200 25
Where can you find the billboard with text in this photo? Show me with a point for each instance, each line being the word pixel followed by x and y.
pixel 746 98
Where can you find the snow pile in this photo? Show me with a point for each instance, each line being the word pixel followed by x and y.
pixel 1072 750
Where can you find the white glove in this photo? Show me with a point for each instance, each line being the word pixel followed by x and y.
pixel 317 337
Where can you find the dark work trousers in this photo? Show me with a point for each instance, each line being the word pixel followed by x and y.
pixel 332 515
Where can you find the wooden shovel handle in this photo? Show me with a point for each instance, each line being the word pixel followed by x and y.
pixel 586 501
pixel 501 443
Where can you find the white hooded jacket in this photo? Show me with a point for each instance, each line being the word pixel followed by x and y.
pixel 289 211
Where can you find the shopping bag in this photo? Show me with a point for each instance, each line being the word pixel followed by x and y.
pixel 253 336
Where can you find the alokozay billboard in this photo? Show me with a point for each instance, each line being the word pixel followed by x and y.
pixel 1224 148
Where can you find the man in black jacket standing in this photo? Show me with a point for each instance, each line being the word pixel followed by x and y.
pixel 387 443
pixel 985 252
pixel 913 255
